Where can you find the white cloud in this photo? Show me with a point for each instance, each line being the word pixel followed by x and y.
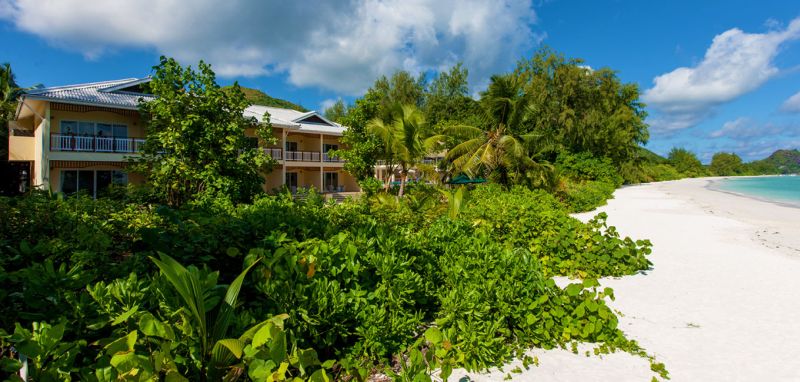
pixel 753 139
pixel 792 104
pixel 326 103
pixel 738 125
pixel 340 45
pixel 736 63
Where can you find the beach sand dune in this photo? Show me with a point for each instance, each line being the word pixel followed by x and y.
pixel 722 302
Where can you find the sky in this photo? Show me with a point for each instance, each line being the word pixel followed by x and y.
pixel 715 75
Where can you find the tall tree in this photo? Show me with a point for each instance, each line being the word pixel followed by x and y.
pixel 583 109
pixel 9 91
pixel 401 88
pixel 336 112
pixel 196 146
pixel 498 149
pixel 447 99
pixel 726 164
pixel 686 162
pixel 364 149
pixel 404 139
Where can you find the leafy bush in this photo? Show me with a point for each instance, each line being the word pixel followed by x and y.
pixel 372 284
pixel 565 246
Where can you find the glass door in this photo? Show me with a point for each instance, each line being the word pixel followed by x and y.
pixel 331 181
pixel 291 181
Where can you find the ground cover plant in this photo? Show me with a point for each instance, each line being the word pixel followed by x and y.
pixel 116 289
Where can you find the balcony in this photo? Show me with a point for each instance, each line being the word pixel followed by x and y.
pixel 302 156
pixel 61 142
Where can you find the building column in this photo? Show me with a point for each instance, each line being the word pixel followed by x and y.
pixel 41 164
pixel 322 179
pixel 321 145
pixel 283 157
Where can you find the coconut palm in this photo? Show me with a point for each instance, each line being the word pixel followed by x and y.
pixel 9 91
pixel 499 150
pixel 405 139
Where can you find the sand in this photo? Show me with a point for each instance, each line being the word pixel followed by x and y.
pixel 722 302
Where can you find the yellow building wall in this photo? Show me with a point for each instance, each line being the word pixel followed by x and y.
pixel 273 180
pixel 305 142
pixel 21 148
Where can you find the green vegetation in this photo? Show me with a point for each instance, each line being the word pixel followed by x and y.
pixel 257 97
pixel 725 164
pixel 686 163
pixel 780 162
pixel 361 283
pixel 195 146
pixel 199 275
pixel 9 90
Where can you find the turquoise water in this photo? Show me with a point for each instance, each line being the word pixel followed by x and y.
pixel 783 189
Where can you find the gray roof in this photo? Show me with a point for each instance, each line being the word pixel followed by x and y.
pixel 106 93
pixel 296 120
pixel 112 94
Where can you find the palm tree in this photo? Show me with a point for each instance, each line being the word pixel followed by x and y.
pixel 499 150
pixel 9 91
pixel 404 139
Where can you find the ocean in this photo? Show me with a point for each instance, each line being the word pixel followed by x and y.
pixel 782 189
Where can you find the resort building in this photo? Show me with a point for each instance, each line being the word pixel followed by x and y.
pixel 80 137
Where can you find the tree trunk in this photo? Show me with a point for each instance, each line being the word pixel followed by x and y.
pixel 403 184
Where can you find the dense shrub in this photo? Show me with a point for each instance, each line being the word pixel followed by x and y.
pixel 565 246
pixel 587 182
pixel 360 282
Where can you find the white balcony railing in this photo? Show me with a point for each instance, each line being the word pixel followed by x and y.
pixel 303 156
pixel 60 142
pixel 276 154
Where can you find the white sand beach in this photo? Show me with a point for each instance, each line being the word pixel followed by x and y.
pixel 722 302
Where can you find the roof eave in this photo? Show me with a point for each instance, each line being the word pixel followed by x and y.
pixel 83 103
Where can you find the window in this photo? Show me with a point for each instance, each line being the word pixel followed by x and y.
pixel 328 147
pixel 105 130
pixel 291 181
pixel 291 146
pixel 331 181
pixel 69 127
pixel 94 129
pixel 91 182
pixel 86 128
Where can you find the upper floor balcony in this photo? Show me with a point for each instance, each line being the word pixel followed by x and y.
pixel 302 156
pixel 70 142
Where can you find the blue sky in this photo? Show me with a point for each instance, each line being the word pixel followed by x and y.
pixel 716 75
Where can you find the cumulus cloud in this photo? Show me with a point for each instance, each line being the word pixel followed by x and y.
pixel 752 139
pixel 736 63
pixel 337 45
pixel 744 128
pixel 792 104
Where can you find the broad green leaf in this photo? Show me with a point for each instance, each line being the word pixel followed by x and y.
pixel 433 335
pixel 233 346
pixel 574 289
pixel 262 335
pixel 277 349
pixel 150 326
pixel 191 290
pixel 122 344
pixel 319 376
pixel 225 314
pixel 125 316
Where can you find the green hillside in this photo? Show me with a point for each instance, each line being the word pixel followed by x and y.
pixel 650 156
pixel 257 97
pixel 780 162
